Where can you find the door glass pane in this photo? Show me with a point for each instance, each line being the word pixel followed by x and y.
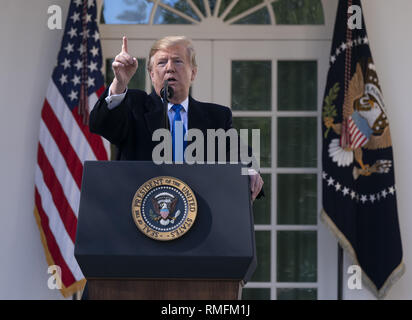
pixel 251 85
pixel 138 80
pixel 258 17
pixel 297 294
pixel 298 12
pixel 223 5
pixel 297 85
pixel 183 7
pixel 200 5
pixel 241 7
pixel 212 5
pixel 256 294
pixel 126 12
pixel 264 124
pixel 297 199
pixel 262 272
pixel 163 16
pixel 261 207
pixel 297 142
pixel 296 256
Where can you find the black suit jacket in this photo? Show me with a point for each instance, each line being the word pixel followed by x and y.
pixel 130 125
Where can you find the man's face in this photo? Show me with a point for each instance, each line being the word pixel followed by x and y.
pixel 173 64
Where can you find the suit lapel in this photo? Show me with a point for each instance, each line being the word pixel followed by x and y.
pixel 197 117
pixel 155 115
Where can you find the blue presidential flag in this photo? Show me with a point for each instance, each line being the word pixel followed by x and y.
pixel 359 191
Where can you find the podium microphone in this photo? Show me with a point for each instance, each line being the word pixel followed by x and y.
pixel 169 90
pixel 166 93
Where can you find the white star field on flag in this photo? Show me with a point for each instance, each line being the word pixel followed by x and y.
pixel 348 192
pixel 343 46
pixel 67 74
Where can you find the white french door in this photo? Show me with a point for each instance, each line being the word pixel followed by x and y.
pixel 296 254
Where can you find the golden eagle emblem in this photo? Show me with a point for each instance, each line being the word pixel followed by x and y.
pixel 364 126
pixel 164 205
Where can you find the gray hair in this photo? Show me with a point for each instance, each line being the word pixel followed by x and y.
pixel 171 41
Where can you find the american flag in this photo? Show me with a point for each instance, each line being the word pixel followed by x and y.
pixel 65 141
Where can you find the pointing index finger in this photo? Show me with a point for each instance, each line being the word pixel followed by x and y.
pixel 124 45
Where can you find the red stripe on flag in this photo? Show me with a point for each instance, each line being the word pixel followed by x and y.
pixel 359 141
pixel 95 141
pixel 362 141
pixel 100 91
pixel 354 140
pixel 352 127
pixel 52 246
pixel 358 137
pixel 66 213
pixel 72 160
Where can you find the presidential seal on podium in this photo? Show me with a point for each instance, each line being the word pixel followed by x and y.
pixel 164 208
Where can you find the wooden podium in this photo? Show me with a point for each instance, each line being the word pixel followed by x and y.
pixel 164 289
pixel 212 261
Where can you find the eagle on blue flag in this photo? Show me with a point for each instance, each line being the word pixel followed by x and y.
pixel 359 192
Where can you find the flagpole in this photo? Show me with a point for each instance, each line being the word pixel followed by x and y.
pixel 345 136
pixel 340 272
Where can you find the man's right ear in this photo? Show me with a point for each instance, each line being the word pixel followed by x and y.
pixel 194 73
pixel 151 74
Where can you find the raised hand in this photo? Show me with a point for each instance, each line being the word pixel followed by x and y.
pixel 124 67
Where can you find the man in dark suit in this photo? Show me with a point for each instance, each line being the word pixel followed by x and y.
pixel 128 118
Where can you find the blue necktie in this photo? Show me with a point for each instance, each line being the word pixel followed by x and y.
pixel 178 133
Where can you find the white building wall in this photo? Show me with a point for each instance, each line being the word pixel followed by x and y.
pixel 28 52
